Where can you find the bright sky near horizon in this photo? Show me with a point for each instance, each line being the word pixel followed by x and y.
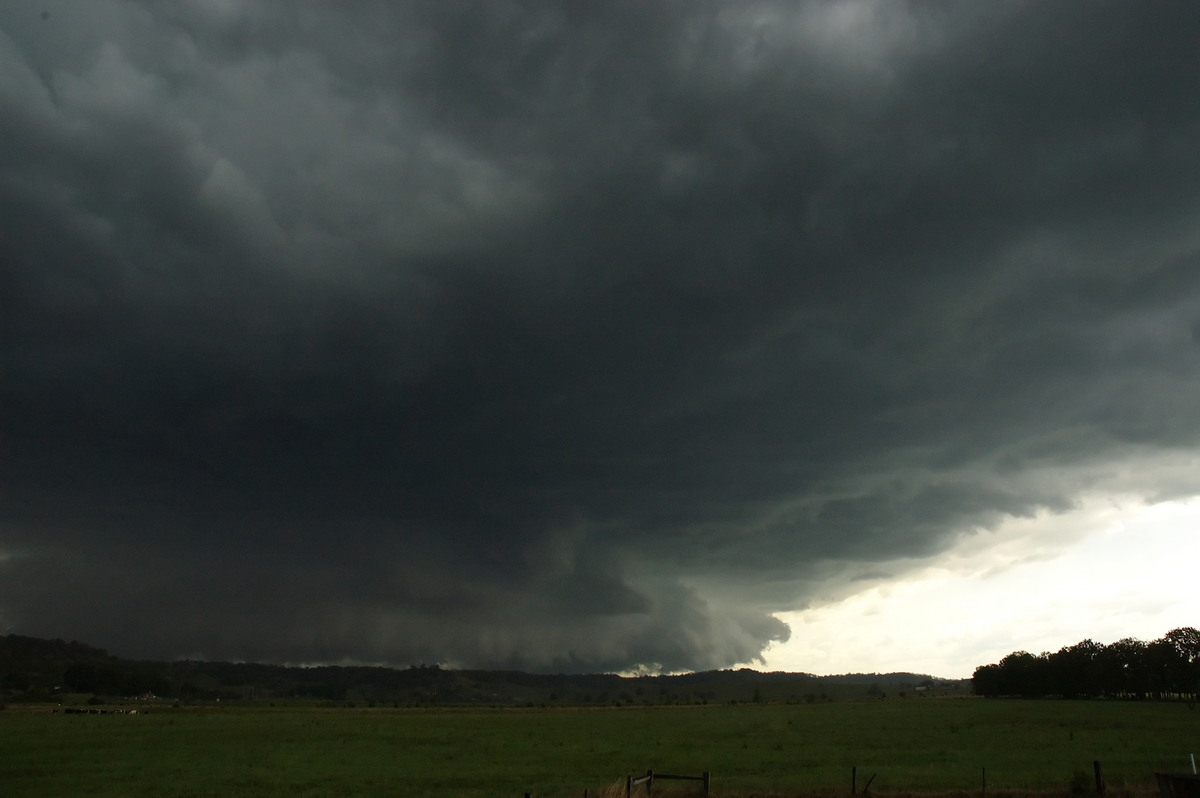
pixel 1128 571
pixel 842 335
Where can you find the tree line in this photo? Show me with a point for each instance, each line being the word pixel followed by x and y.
pixel 1167 668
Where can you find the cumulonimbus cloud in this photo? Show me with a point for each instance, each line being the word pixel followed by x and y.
pixel 567 338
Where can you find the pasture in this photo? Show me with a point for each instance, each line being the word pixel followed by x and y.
pixel 912 745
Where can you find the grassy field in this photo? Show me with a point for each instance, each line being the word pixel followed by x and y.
pixel 918 745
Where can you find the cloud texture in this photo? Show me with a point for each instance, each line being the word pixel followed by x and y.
pixel 571 336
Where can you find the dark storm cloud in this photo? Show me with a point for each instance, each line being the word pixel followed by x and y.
pixel 572 338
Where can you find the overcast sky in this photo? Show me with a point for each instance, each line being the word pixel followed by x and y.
pixel 582 336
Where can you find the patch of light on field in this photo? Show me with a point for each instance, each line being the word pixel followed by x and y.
pixel 1105 571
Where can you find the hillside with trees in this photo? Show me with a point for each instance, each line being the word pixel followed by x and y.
pixel 1167 668
pixel 32 669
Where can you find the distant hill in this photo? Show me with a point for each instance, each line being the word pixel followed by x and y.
pixel 33 669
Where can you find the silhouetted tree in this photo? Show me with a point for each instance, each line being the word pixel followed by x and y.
pixel 1121 668
pixel 1184 668
pixel 1073 671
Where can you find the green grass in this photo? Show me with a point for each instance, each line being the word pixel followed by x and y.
pixel 925 745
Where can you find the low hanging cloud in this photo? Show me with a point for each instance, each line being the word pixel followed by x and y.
pixel 562 338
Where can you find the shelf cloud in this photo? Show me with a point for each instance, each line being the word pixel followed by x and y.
pixel 571 337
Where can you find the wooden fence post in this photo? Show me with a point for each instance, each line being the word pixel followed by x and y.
pixel 1099 777
pixel 634 781
pixel 854 780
